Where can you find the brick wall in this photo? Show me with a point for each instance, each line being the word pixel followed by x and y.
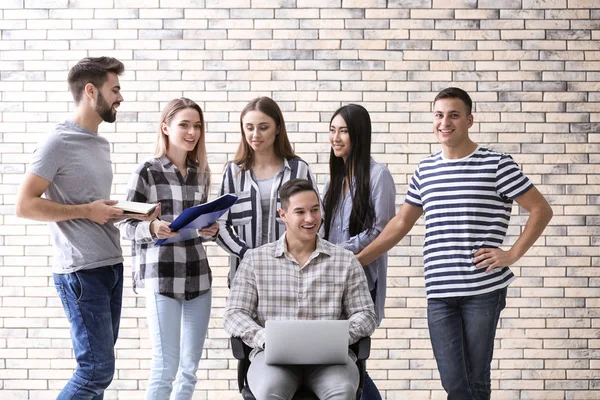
pixel 532 67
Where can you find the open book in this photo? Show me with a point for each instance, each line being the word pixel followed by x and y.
pixel 133 207
pixel 198 217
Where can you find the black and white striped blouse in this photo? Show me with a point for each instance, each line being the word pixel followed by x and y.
pixel 241 228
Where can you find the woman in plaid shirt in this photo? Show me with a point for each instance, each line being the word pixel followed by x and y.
pixel 175 277
pixel 264 161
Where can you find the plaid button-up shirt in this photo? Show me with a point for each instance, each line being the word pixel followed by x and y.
pixel 178 270
pixel 271 285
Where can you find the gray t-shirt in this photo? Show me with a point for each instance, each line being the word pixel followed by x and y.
pixel 77 163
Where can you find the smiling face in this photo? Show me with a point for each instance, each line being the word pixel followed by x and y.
pixel 339 137
pixel 184 130
pixel 109 98
pixel 260 131
pixel 302 216
pixel 451 123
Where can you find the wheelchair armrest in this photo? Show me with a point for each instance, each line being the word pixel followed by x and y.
pixel 239 348
pixel 362 348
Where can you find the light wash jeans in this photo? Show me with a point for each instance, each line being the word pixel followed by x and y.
pixel 177 331
pixel 92 302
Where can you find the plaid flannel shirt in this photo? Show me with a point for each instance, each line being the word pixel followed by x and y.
pixel 177 270
pixel 271 285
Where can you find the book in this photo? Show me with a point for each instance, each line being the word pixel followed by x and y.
pixel 198 217
pixel 133 207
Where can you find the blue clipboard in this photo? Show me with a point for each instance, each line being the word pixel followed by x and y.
pixel 198 217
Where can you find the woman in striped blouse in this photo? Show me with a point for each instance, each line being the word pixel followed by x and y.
pixel 263 162
pixel 358 201
pixel 175 277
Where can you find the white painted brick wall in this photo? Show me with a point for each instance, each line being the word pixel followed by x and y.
pixel 530 65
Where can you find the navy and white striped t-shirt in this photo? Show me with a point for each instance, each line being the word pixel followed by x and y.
pixel 467 204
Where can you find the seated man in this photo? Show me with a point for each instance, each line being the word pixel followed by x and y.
pixel 300 276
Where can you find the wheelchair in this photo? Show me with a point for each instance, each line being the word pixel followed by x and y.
pixel 241 352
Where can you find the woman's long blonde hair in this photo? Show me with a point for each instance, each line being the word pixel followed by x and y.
pixel 197 156
pixel 282 147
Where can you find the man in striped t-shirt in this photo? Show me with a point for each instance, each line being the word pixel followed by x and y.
pixel 466 193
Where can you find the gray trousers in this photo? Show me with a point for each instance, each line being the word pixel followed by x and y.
pixel 280 382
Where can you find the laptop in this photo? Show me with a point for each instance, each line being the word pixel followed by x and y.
pixel 301 342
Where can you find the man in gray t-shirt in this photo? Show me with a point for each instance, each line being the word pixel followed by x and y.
pixel 76 163
pixel 72 169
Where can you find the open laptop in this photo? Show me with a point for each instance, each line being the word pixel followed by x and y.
pixel 306 341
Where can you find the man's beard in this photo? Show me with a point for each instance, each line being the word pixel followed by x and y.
pixel 104 110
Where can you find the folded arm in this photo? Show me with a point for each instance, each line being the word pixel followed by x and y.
pixel 142 229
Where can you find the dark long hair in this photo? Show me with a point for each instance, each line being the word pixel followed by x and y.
pixel 358 164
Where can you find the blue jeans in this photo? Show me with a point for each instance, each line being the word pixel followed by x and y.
pixel 92 302
pixel 462 332
pixel 370 391
pixel 177 331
